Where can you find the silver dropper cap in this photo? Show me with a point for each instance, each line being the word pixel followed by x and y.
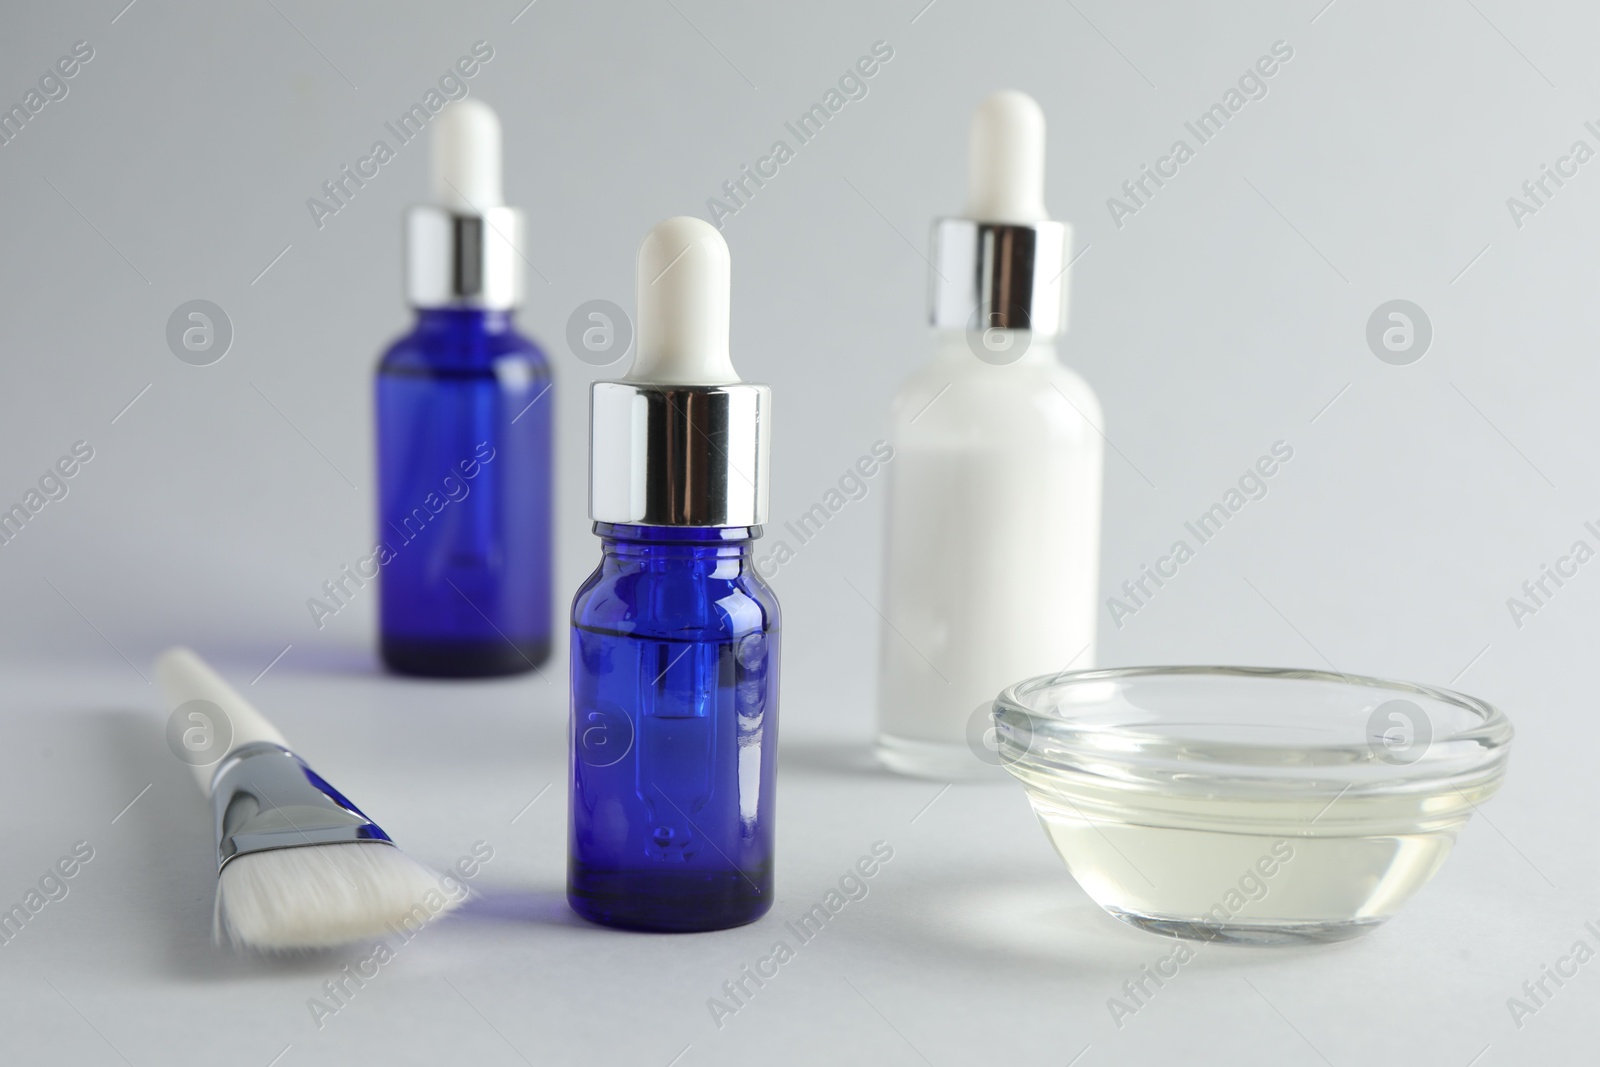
pixel 999 275
pixel 1003 266
pixel 681 441
pixel 463 260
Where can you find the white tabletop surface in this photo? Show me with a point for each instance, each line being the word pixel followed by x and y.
pixel 1229 312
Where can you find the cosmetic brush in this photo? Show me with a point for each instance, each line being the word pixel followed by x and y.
pixel 298 866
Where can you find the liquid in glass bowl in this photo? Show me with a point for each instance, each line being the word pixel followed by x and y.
pixel 1250 805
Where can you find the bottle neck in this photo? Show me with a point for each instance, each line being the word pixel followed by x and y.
pixel 622 541
pixel 455 320
pixel 1004 348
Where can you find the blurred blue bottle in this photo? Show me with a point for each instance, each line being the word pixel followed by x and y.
pixel 675 635
pixel 464 416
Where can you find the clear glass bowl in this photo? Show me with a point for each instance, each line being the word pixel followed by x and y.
pixel 1249 805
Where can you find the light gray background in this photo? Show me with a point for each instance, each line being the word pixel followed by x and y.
pixel 1228 314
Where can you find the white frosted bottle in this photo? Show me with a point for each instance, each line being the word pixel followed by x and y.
pixel 995 486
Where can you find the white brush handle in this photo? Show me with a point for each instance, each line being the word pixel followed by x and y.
pixel 184 676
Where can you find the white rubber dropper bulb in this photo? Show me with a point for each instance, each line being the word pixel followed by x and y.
pixel 466 158
pixel 684 284
pixel 1005 160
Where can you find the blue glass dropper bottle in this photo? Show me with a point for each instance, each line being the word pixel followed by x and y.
pixel 464 432
pixel 675 635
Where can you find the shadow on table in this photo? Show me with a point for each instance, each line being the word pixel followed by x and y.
pixel 517 904
pixel 1047 928
pixel 163 849
pixel 810 757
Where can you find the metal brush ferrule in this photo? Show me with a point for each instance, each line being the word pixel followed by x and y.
pixel 265 797
pixel 679 455
pixel 463 261
pixel 1000 275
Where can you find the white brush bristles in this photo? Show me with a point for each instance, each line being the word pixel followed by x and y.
pixel 319 896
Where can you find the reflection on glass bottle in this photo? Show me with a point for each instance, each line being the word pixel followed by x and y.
pixel 464 447
pixel 675 682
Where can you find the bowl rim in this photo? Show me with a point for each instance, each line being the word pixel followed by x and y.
pixel 1482 745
